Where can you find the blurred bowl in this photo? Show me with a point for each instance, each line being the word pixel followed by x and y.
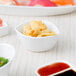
pixel 6 51
pixel 4 30
pixel 38 44
pixel 35 11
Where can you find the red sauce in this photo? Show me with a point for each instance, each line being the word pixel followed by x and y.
pixel 53 68
pixel 1 23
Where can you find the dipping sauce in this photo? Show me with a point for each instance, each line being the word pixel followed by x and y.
pixel 1 23
pixel 67 73
pixel 53 68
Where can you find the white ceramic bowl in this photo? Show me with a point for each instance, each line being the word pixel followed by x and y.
pixel 4 30
pixel 58 61
pixel 38 44
pixel 35 11
pixel 6 51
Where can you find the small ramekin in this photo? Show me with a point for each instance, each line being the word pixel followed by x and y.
pixel 8 52
pixel 57 61
pixel 4 30
pixel 38 44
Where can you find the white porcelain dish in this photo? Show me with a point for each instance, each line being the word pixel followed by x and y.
pixel 4 30
pixel 57 61
pixel 6 51
pixel 38 44
pixel 35 11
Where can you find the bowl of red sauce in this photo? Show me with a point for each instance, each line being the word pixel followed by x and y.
pixel 60 68
pixel 4 29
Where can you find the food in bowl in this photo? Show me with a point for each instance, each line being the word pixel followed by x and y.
pixel 37 29
pixel 23 2
pixel 63 2
pixel 1 22
pixel 43 3
pixel 3 61
pixel 4 28
pixel 7 2
pixel 7 53
pixel 38 44
pixel 56 69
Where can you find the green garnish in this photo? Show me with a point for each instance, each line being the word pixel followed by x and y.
pixel 3 61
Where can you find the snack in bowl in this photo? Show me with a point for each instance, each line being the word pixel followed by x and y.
pixel 37 44
pixel 37 29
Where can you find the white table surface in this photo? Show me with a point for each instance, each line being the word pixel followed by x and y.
pixel 26 62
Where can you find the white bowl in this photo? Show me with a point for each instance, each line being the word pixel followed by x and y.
pixel 4 30
pixel 58 61
pixel 6 51
pixel 38 43
pixel 35 11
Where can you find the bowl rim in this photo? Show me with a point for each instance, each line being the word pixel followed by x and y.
pixel 6 44
pixel 56 61
pixel 31 7
pixel 4 25
pixel 37 37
